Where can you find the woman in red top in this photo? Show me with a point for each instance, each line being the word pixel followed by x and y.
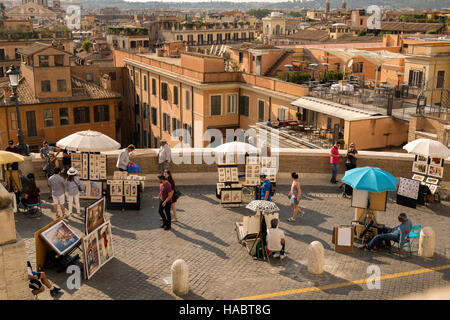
pixel 169 178
pixel 32 193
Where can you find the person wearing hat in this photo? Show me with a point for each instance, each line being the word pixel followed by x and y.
pixel 73 188
pixel 266 187
pixel 12 171
pixel 164 156
pixel 124 158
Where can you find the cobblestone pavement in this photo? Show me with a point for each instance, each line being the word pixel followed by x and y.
pixel 220 267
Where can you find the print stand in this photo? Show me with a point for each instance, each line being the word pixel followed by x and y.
pixel 124 191
pixel 92 170
pixel 229 189
pixel 429 171
pixel 43 250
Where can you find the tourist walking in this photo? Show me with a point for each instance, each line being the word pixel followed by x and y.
pixel 165 200
pixel 294 196
pixel 57 184
pixel 334 160
pixel 124 158
pixel 73 188
pixel 164 156
pixel 175 196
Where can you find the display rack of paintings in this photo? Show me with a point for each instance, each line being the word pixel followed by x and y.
pixel 97 249
pixel 431 171
pixel 97 166
pixel 269 167
pixel 124 188
pixel 252 172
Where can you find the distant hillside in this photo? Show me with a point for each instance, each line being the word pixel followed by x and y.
pixel 351 4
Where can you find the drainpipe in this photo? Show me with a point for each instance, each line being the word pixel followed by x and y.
pixel 239 107
pixel 7 124
pixel 159 105
pixel 180 105
pixel 192 108
pixel 270 106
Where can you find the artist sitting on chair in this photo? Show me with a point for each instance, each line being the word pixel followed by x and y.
pixel 36 280
pixel 387 235
pixel 275 240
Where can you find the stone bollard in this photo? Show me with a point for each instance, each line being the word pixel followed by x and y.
pixel 315 257
pixel 427 242
pixel 180 277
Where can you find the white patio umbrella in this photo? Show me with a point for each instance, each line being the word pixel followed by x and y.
pixel 88 141
pixel 236 147
pixel 428 148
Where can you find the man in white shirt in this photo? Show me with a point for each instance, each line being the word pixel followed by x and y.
pixel 164 156
pixel 275 240
pixel 124 158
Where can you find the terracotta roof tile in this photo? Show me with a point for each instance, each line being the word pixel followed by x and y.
pixel 81 90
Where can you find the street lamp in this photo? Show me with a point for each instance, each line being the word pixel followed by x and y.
pixel 14 75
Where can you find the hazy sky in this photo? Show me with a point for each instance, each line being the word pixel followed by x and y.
pixel 210 0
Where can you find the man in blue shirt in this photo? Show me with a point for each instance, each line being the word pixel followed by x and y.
pixel 266 187
pixel 398 234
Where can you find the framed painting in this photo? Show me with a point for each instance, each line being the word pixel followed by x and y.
pixel 105 244
pixel 91 255
pixel 418 177
pixel 95 189
pixel 253 160
pixel 436 171
pixel 84 188
pixel 94 215
pixel 225 196
pixel 236 196
pixel 419 167
pixel 437 162
pixel 60 237
pixel 422 159
pixel 432 180
pixel 130 199
pixel 117 175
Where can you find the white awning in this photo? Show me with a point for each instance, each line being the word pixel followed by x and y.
pixel 334 109
pixel 376 57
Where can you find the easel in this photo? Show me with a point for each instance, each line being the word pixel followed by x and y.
pixel 42 249
pixel 259 237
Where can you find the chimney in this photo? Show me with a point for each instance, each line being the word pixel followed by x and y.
pixel 106 82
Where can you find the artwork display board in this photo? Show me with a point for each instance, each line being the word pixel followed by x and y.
pixel 231 196
pixel 360 198
pixel 60 237
pixel 252 172
pixel 94 215
pixel 97 166
pixel 269 166
pixel 91 189
pixel 408 188
pixel 125 188
pixel 431 174
pixel 228 173
pixel 377 201
pixel 343 238
pixel 97 249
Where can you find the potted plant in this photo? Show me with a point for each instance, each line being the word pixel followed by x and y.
pixel 299 115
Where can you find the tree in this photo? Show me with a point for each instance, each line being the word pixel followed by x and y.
pixel 86 45
pixel 259 13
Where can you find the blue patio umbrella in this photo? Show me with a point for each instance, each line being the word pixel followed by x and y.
pixel 370 179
